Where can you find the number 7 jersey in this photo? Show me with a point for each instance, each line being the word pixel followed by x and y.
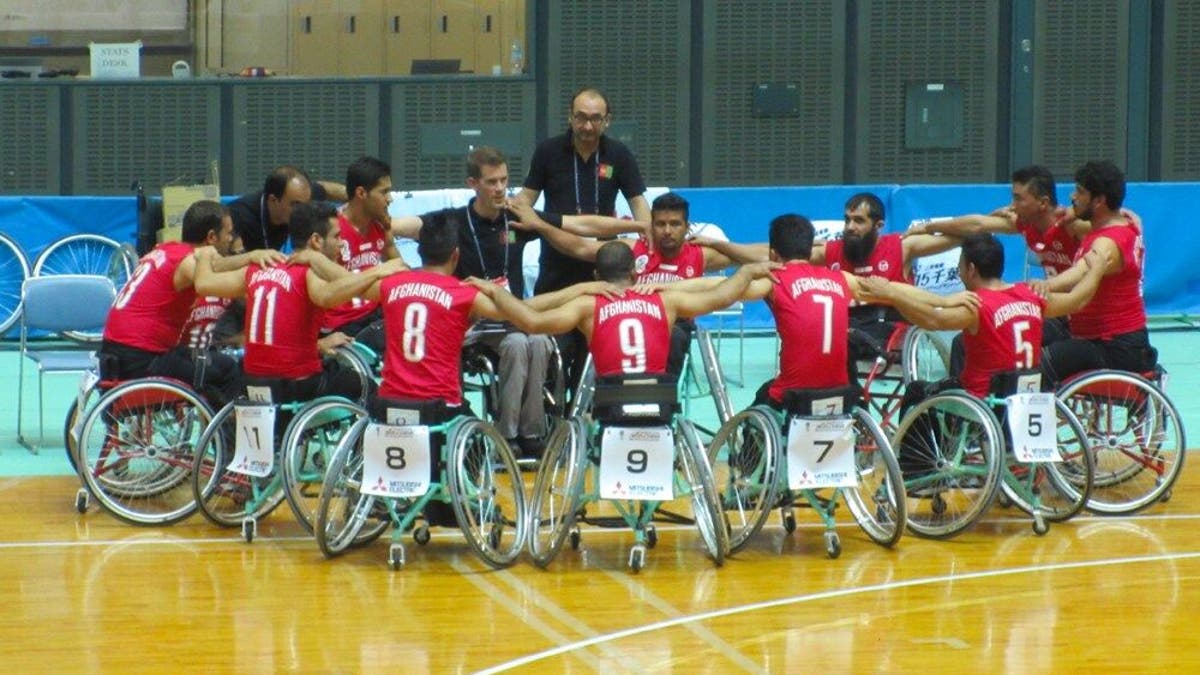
pixel 811 305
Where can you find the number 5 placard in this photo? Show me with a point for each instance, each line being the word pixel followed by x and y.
pixel 1033 422
pixel 395 461
pixel 821 453
pixel 637 463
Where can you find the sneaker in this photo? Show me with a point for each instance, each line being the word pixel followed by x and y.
pixel 439 514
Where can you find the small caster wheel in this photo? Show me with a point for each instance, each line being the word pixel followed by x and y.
pixel 637 558
pixel 249 529
pixel 81 500
pixel 789 520
pixel 575 537
pixel 1040 526
pixel 494 535
pixel 1166 497
pixel 833 544
pixel 651 536
pixel 421 535
pixel 396 556
pixel 938 505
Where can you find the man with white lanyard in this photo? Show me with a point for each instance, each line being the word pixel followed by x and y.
pixel 492 249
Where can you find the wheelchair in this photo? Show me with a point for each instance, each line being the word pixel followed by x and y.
pixel 910 354
pixel 956 457
pixel 640 453
pixel 1135 434
pixel 765 458
pixel 383 475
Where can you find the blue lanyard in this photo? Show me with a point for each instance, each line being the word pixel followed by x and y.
pixel 595 182
pixel 479 250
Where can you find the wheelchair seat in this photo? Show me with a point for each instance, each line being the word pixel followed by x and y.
pixel 636 400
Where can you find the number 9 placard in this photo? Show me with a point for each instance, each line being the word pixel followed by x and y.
pixel 637 463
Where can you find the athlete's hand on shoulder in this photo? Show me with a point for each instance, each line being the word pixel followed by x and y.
pixel 485 286
pixel 646 288
pixel 701 240
pixel 524 213
pixel 607 289
pixel 762 270
pixel 875 287
pixel 966 299
pixel 917 227
pixel 1005 212
pixel 390 267
pixel 202 252
pixel 1039 286
pixel 331 342
pixel 305 256
pixel 265 257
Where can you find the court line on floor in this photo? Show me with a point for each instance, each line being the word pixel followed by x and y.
pixel 824 595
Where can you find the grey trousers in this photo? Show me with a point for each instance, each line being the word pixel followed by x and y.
pixel 524 360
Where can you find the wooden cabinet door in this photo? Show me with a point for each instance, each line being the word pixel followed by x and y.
pixel 406 33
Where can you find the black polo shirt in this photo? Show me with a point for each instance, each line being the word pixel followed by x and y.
pixel 249 215
pixel 483 243
pixel 573 186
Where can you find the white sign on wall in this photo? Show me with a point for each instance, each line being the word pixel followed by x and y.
pixel 116 60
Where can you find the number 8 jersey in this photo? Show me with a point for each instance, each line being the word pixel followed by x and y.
pixel 425 317
pixel 631 334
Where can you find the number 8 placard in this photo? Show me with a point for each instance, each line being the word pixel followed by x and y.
pixel 395 461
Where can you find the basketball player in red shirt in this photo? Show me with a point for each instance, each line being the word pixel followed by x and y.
pixel 284 307
pixel 143 329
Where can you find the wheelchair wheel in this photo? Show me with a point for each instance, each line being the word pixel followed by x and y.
pixel 226 497
pixel 14 269
pixel 356 359
pixel 308 443
pixel 487 492
pixel 85 254
pixel 744 457
pixel 136 449
pixel 1061 488
pixel 556 491
pixel 89 395
pixel 693 466
pixel 949 449
pixel 878 502
pixel 343 511
pixel 926 355
pixel 1136 438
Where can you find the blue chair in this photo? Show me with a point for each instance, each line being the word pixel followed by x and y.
pixel 57 304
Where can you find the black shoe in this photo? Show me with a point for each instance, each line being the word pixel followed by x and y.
pixel 531 448
pixel 439 514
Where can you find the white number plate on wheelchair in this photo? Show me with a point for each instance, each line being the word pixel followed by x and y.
pixel 396 461
pixel 254 444
pixel 821 453
pixel 637 463
pixel 1033 423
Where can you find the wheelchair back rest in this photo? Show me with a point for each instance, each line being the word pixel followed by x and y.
pixel 821 402
pixel 398 412
pixel 271 390
pixel 1018 381
pixel 636 400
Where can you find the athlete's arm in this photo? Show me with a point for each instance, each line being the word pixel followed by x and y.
pixel 408 227
pixel 331 294
pixel 220 284
pixel 494 302
pixel 554 299
pixel 965 225
pixel 327 269
pixel 730 290
pixel 920 245
pixel 721 254
pixel 920 306
pixel 1062 304
pixel 265 257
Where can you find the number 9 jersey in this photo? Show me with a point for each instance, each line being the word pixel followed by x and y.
pixel 425 316
pixel 630 335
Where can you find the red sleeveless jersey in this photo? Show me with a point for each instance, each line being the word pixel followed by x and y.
pixel 425 316
pixel 148 313
pixel 1055 248
pixel 653 268
pixel 359 252
pixel 631 334
pixel 812 314
pixel 1009 336
pixel 886 260
pixel 1118 306
pixel 282 323
pixel 197 330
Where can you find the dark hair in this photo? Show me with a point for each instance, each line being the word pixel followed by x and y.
pixel 608 110
pixel 1104 179
pixel 670 201
pixel 484 156
pixel 437 241
pixel 308 219
pixel 791 236
pixel 277 181
pixel 983 250
pixel 365 172
pixel 201 218
pixel 874 205
pixel 1038 180
pixel 614 262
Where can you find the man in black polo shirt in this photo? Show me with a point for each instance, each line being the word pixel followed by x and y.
pixel 260 219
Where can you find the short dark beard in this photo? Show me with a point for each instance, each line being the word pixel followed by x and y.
pixel 858 248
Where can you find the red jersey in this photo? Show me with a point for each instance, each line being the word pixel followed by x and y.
pixel 1009 336
pixel 359 252
pixel 197 330
pixel 631 334
pixel 425 315
pixel 653 268
pixel 149 313
pixel 812 314
pixel 886 260
pixel 1055 248
pixel 1118 306
pixel 282 323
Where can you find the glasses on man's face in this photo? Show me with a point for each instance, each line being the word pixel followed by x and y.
pixel 595 120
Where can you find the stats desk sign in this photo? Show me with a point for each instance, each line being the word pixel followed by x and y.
pixel 116 60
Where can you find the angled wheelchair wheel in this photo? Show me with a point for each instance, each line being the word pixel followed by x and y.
pixel 556 491
pixel 1054 490
pixel 88 395
pixel 1136 437
pixel 926 355
pixel 86 254
pixel 308 443
pixel 877 502
pixel 343 513
pixel 744 456
pixel 14 269
pixel 227 497
pixel 692 463
pixel 136 450
pixel 487 492
pixel 359 360
pixel 949 449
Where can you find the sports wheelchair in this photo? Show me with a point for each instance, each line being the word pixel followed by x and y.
pixel 640 453
pixel 821 445
pixel 910 354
